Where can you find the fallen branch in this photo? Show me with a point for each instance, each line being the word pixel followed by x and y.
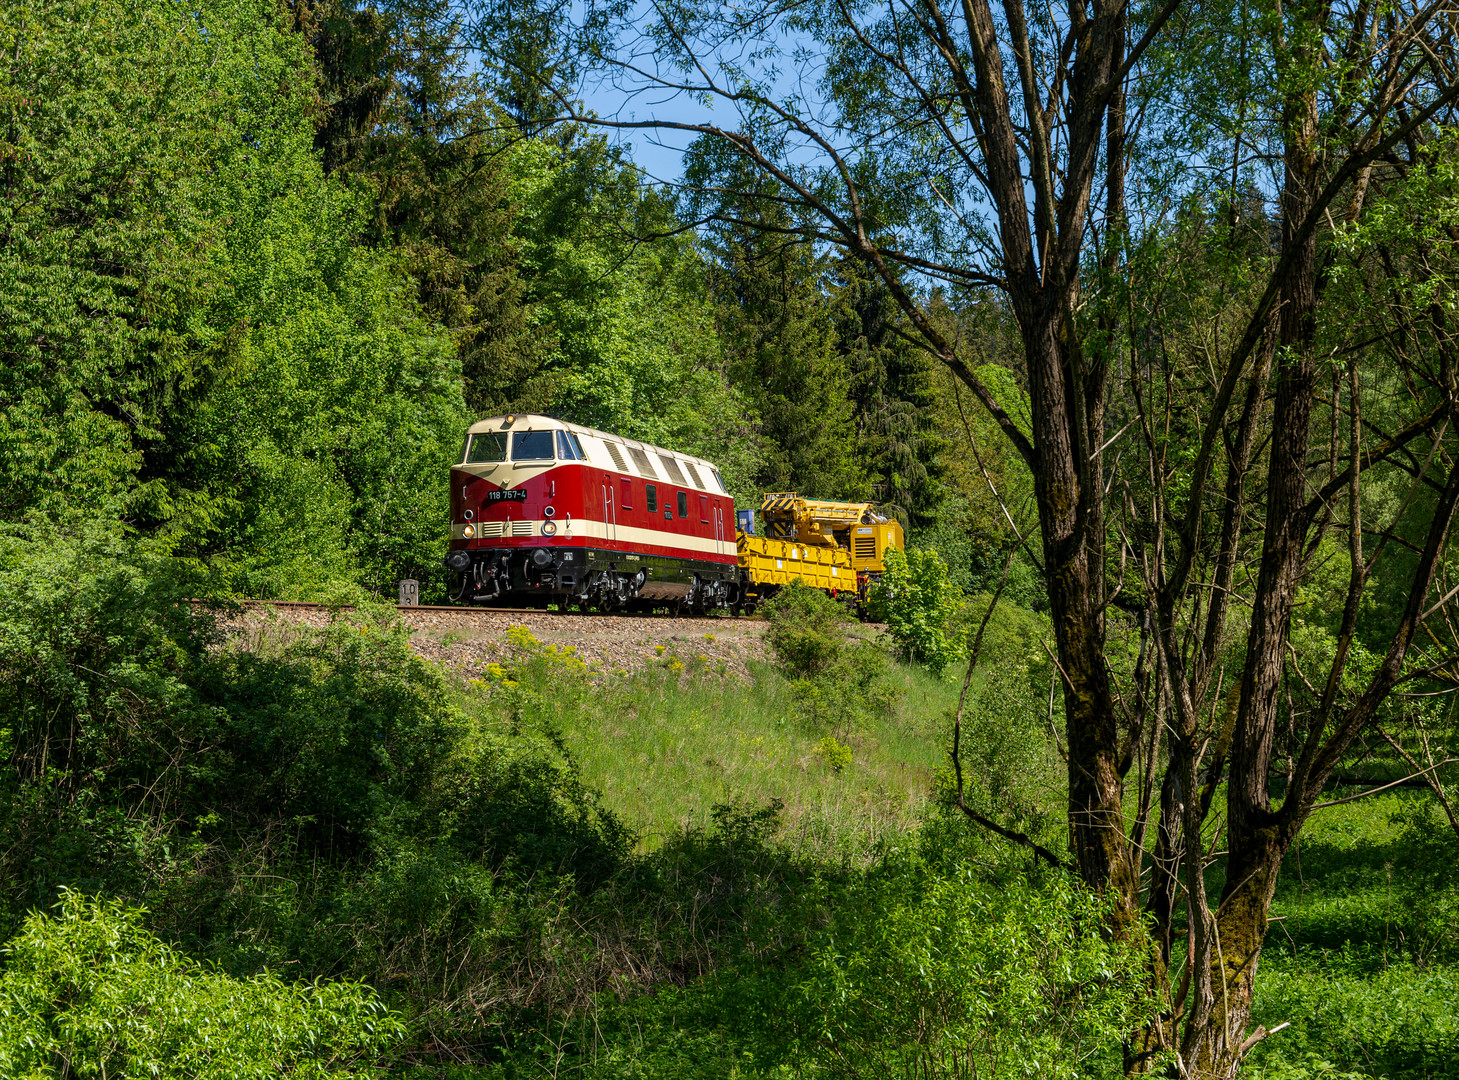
pixel 1392 784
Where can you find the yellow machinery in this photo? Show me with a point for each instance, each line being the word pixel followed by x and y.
pixel 836 546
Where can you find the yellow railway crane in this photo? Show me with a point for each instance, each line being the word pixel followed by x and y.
pixel 836 546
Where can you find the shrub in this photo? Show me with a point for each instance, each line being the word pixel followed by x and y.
pixel 99 719
pixel 807 630
pixel 88 990
pixel 917 601
pixel 950 972
pixel 838 677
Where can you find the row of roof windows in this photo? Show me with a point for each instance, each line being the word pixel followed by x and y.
pixel 491 446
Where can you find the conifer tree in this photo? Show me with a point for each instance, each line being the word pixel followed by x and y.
pixel 892 392
pixel 402 111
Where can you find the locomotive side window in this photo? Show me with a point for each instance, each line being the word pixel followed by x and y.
pixel 651 498
pixel 488 446
pixel 565 448
pixel 532 446
pixel 683 504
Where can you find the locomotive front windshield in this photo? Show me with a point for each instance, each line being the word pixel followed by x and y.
pixel 532 446
pixel 487 446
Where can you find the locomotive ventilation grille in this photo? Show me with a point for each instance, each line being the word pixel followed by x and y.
pixel 616 455
pixel 493 528
pixel 694 473
pixel 522 528
pixel 641 460
pixel 866 547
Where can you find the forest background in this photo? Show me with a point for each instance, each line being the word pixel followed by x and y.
pixel 254 295
pixel 259 266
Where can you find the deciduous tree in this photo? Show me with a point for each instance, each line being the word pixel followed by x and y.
pixel 1031 152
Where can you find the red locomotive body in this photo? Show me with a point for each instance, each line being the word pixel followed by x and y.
pixel 542 509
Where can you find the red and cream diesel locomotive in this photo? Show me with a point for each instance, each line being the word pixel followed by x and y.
pixel 546 510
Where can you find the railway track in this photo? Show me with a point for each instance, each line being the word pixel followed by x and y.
pixel 463 609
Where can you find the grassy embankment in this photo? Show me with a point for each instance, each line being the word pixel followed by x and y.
pixel 667 746
pixel 538 870
pixel 1362 960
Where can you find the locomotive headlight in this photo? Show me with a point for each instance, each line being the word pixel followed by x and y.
pixel 469 531
pixel 468 514
pixel 548 511
pixel 549 528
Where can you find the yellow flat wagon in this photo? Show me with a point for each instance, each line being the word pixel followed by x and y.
pixel 839 547
pixel 779 562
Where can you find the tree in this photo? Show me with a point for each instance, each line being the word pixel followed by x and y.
pixel 404 114
pixel 775 316
pixel 891 392
pixel 992 150
pixel 194 344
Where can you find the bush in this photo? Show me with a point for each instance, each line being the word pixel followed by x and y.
pixel 917 601
pixel 838 677
pixel 948 971
pixel 101 727
pixel 807 630
pixel 88 993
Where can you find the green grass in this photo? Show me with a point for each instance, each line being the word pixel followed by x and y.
pixel 1364 960
pixel 666 745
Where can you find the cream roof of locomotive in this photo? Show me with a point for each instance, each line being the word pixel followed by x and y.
pixel 538 422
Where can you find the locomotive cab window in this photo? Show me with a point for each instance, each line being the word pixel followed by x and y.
pixel 487 446
pixel 651 498
pixel 532 446
pixel 565 448
pixel 683 504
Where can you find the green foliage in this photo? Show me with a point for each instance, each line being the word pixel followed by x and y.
pixel 916 601
pixel 193 341
pixel 776 316
pixel 836 755
pixel 915 968
pixel 88 993
pixel 807 629
pixel 840 678
pixel 324 800
pixel 99 726
pixel 939 970
pixel 892 394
